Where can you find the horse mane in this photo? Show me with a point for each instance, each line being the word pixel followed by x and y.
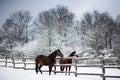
pixel 53 53
pixel 72 54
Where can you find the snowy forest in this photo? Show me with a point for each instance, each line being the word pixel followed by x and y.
pixel 57 28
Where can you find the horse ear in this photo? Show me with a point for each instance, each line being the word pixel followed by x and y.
pixel 58 49
pixel 74 51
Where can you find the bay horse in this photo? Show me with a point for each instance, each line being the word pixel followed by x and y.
pixel 67 61
pixel 49 60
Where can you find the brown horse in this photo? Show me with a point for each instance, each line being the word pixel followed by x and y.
pixel 41 60
pixel 67 61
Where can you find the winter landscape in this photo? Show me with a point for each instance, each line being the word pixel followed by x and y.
pixel 39 27
pixel 20 74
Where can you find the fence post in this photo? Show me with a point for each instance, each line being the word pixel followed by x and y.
pixel 75 66
pixel 103 68
pixel 24 59
pixel 13 61
pixel 118 61
pixel 55 68
pixel 6 60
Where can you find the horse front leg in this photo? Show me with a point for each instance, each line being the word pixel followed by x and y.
pixel 69 69
pixel 61 68
pixel 50 69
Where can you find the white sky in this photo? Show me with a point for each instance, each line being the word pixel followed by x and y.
pixel 78 7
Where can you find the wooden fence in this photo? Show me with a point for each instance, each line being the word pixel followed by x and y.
pixel 18 62
pixel 101 63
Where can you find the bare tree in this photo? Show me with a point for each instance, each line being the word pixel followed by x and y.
pixel 21 20
pixel 9 33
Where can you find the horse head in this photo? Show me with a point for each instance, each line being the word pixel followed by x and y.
pixel 59 53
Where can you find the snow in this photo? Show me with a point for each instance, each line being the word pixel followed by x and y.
pixel 107 52
pixel 7 73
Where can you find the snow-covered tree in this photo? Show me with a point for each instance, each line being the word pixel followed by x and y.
pixel 55 24
pixel 98 30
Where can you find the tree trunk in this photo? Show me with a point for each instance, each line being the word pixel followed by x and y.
pixel 26 36
pixel 110 42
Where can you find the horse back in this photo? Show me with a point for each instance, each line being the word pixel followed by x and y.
pixel 42 60
pixel 65 61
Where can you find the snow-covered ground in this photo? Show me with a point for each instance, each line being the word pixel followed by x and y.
pixel 7 73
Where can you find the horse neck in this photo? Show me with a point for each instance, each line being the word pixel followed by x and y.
pixel 71 55
pixel 53 55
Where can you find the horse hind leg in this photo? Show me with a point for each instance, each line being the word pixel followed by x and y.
pixel 66 70
pixel 36 68
pixel 61 68
pixel 40 68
